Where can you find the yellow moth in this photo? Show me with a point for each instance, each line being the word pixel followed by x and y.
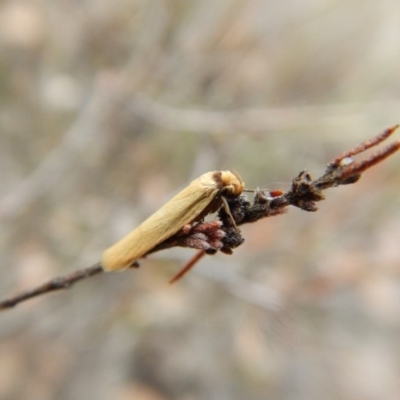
pixel 203 196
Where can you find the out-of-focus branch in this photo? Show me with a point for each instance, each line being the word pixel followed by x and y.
pixel 86 128
pixel 304 194
pixel 112 92
pixel 255 121
pixel 109 94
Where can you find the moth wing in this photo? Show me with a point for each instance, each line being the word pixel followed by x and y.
pixel 187 206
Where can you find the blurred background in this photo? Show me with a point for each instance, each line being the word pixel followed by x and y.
pixel 108 108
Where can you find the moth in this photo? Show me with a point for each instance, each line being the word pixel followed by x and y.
pixel 203 196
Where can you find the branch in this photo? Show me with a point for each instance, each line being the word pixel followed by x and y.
pixel 222 235
pixel 253 121
pixel 61 282
pixel 84 131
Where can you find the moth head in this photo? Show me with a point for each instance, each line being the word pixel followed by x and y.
pixel 232 183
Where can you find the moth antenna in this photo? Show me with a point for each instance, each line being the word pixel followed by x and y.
pixel 234 172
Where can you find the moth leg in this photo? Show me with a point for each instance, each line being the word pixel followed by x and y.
pixel 188 266
pixel 135 264
pixel 225 205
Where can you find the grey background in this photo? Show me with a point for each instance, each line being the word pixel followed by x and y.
pixel 108 108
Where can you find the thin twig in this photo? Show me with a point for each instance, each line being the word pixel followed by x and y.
pixel 365 145
pixel 303 194
pixel 189 265
pixel 359 167
pixel 61 282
